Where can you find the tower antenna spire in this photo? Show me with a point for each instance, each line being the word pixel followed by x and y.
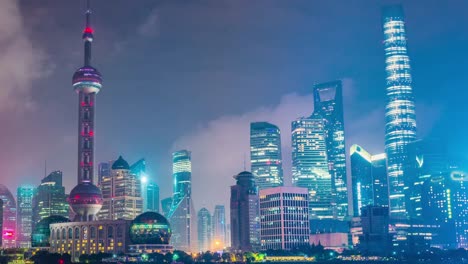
pixel 88 34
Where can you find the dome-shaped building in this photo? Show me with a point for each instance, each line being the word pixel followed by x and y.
pixel 41 233
pixel 9 218
pixel 120 164
pixel 85 201
pixel 150 232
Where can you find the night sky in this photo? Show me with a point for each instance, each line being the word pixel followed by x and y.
pixel 194 74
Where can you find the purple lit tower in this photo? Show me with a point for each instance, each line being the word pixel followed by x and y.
pixel 86 199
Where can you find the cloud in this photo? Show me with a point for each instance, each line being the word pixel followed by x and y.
pixel 150 26
pixel 20 61
pixel 219 147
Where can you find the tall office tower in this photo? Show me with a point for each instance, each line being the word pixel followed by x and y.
pixel 425 158
pixel 284 218
pixel 375 237
pixel 219 228
pixel 369 179
pixel 265 154
pixel 50 198
pixel 204 230
pixel 310 165
pixel 182 215
pixel 166 205
pixel 86 199
pixel 445 202
pixel 24 215
pixel 9 218
pixel 400 128
pixel 152 197
pixel 328 102
pixel 245 215
pixel 104 169
pixel 121 193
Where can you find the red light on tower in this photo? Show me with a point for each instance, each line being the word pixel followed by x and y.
pixel 88 30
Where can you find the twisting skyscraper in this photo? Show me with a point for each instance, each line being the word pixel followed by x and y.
pixel 86 199
pixel 328 102
pixel 265 154
pixel 400 128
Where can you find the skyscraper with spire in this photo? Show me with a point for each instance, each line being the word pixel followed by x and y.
pixel 400 128
pixel 86 199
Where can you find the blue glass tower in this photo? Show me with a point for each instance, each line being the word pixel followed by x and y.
pixel 400 128
pixel 265 154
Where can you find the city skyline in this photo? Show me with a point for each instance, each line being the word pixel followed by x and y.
pixel 303 84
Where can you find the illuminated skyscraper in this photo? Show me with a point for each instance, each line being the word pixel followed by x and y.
pixel 310 164
pixel 104 169
pixel 265 154
pixel 204 230
pixel 1 222
pixel 152 197
pixel 24 215
pixel 369 179
pixel 245 213
pixel 400 128
pixel 284 218
pixel 121 193
pixel 219 228
pixel 50 198
pixel 86 199
pixel 328 102
pixel 166 205
pixel 182 215
pixel 9 218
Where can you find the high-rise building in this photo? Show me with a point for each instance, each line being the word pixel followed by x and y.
pixel 24 215
pixel 50 198
pixel 121 193
pixel 182 215
pixel 328 102
pixel 426 157
pixel 104 169
pixel 152 197
pixel 139 169
pixel 284 218
pixel 86 199
pixel 369 179
pixel 219 228
pixel 445 202
pixel 310 164
pixel 1 222
pixel 166 205
pixel 375 238
pixel 204 230
pixel 9 218
pixel 400 116
pixel 245 215
pixel 265 154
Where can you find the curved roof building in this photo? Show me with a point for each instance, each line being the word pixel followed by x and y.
pixel 41 233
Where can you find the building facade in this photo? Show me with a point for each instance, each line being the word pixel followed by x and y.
pixel 328 102
pixel 182 216
pixel 9 231
pixel 310 164
pixel 375 238
pixel 91 237
pixel 265 154
pixel 369 179
pixel 284 218
pixel 24 216
pixel 245 215
pixel 205 233
pixel 121 193
pixel 50 198
pixel 152 197
pixel 400 116
pixel 219 228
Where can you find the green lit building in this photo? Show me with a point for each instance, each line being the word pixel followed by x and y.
pixel 24 215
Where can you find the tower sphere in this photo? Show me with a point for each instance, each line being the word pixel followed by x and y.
pixel 87 79
pixel 85 200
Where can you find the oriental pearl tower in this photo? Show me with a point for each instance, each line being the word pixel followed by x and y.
pixel 86 199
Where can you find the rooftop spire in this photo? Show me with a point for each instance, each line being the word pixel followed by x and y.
pixel 88 35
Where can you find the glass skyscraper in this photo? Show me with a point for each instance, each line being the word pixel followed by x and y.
pixel 24 216
pixel 265 154
pixel 219 228
pixel 310 164
pixel 328 102
pixel 204 230
pixel 9 218
pixel 400 128
pixel 50 198
pixel 368 178
pixel 182 175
